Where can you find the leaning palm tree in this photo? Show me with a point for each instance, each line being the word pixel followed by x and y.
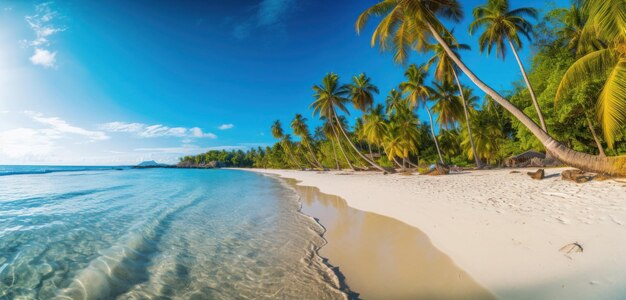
pixel 330 134
pixel 330 96
pixel 445 70
pixel 359 133
pixel 418 94
pixel 299 127
pixel 287 144
pixel 278 133
pixel 607 20
pixel 421 17
pixel 500 25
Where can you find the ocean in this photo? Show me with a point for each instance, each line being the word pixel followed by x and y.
pixel 121 233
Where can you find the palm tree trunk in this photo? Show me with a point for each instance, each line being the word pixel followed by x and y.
pixel 308 159
pixel 332 143
pixel 317 162
pixel 313 165
pixel 352 144
pixel 595 137
pixel 469 128
pixel 341 148
pixel 293 159
pixel 530 87
pixel 357 162
pixel 369 148
pixel 432 130
pixel 615 166
pixel 397 163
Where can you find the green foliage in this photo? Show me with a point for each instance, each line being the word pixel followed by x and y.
pixel 579 60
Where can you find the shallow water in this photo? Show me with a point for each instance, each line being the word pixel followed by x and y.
pixel 157 233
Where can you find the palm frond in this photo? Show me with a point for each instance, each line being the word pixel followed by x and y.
pixel 612 103
pixel 597 63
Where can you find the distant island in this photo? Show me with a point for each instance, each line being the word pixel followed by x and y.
pixel 151 164
pixel 187 164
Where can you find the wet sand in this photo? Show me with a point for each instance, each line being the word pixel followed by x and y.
pixel 383 258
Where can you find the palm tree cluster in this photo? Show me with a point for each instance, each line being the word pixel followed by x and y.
pixel 408 25
pixel 390 135
pixel 578 75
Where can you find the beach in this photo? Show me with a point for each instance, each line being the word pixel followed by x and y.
pixel 506 230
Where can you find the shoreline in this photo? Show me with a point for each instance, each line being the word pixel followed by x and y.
pixel 361 252
pixel 505 230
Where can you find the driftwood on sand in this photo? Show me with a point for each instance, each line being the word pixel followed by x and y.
pixel 439 169
pixel 576 175
pixel 538 175
pixel 573 247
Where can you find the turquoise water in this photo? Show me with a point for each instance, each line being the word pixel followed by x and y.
pixel 157 234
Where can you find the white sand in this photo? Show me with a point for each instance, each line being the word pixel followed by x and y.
pixel 504 229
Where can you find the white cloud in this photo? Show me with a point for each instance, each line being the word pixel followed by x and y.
pixel 61 127
pixel 42 25
pixel 158 130
pixel 122 127
pixel 197 132
pixel 225 126
pixel 43 58
pixel 36 144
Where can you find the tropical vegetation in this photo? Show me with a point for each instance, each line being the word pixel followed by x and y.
pixel 570 101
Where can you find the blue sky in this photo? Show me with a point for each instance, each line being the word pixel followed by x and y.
pixel 118 82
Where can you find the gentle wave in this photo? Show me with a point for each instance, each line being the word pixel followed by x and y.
pixel 34 170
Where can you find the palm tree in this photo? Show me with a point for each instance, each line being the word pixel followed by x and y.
pixel 402 134
pixel 445 70
pixel 360 134
pixel 287 144
pixel 421 17
pixel 488 135
pixel 375 125
pixel 572 33
pixel 277 130
pixel 450 142
pixel 502 25
pixel 418 94
pixel 607 21
pixel 330 96
pixel 361 92
pixel 285 140
pixel 393 101
pixel 406 22
pixel 299 127
pixel 330 133
pixel 448 106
